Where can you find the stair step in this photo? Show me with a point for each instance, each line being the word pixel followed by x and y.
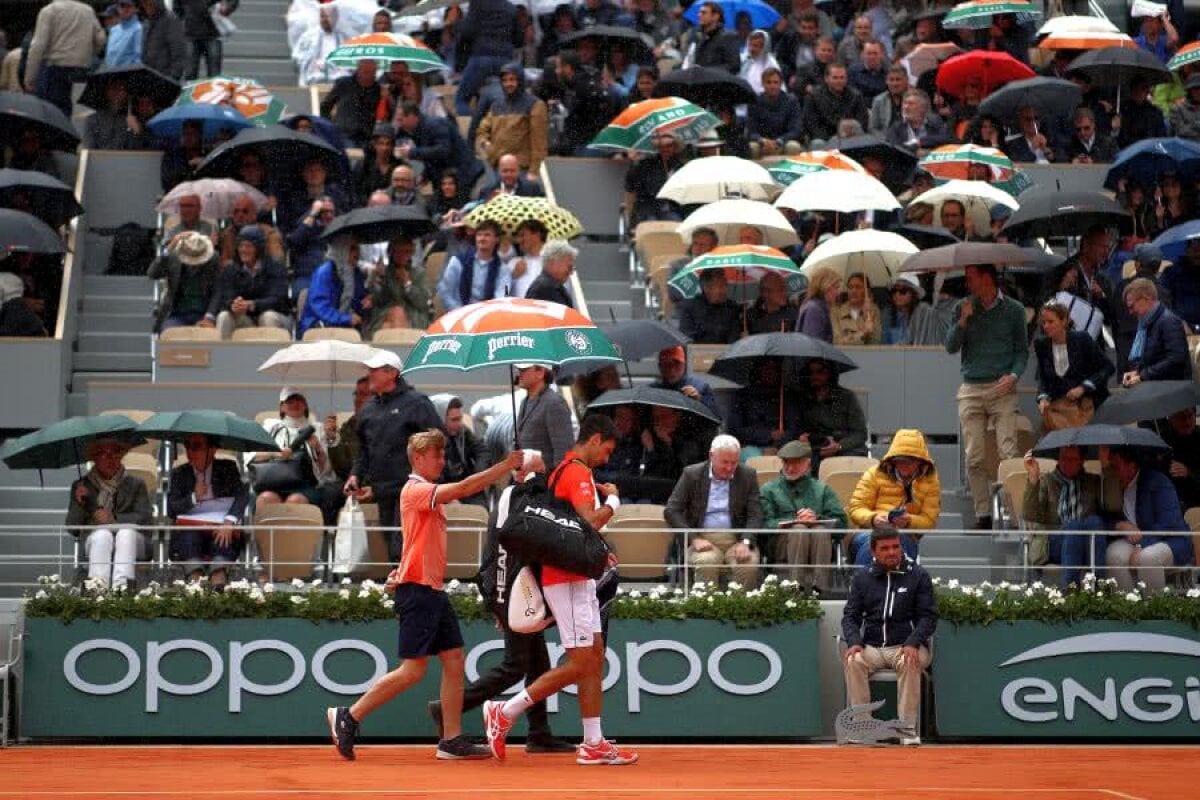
pixel 118 304
pixel 600 310
pixel 104 361
pixel 34 497
pixel 253 18
pixel 91 322
pixel 272 73
pixel 77 404
pixel 266 46
pixel 81 380
pixel 117 285
pixel 600 291
pixel 98 342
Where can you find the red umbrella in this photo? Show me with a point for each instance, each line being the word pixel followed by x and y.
pixel 990 68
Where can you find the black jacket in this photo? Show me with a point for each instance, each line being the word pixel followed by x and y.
pixel 545 287
pixel 890 609
pixel 437 142
pixel 352 107
pixel 719 49
pixel 1165 354
pixel 384 425
pixel 267 287
pixel 490 29
pixel 164 47
pixel 706 323
pixel 226 482
pixel 823 110
pixel 779 119
pixel 1103 149
pixel 1085 363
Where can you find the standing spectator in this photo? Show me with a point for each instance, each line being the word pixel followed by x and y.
pixel 711 317
pixel 516 123
pixel 202 32
pixel 857 321
pixel 887 623
pixel 164 47
pixel 917 129
pixel 824 286
pixel 758 59
pixel 714 46
pixel 341 442
pixel 832 421
pixel 67 38
pixel 772 312
pixel 869 75
pixel 1159 351
pixel 712 499
pixel 776 122
pixel 205 478
pixel 510 181
pixel 990 332
pixel 338 291
pixel 1067 499
pixel 798 499
pixel 437 142
pixel 1139 118
pixel 902 491
pixel 466 454
pixel 489 33
pixel 254 288
pixel 1088 146
pixel 1182 281
pixel 1072 373
pixel 673 375
pixel 831 103
pixel 1083 274
pixel 193 295
pixel 543 421
pixel 399 298
pixel 646 178
pixel 580 92
pixel 315 45
pixel 475 274
pixel 558 262
pixel 1158 37
pixel 1150 512
pixel 124 37
pixel 351 103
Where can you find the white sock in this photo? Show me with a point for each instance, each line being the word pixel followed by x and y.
pixel 591 730
pixel 515 706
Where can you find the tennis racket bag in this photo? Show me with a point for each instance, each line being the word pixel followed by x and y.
pixel 543 529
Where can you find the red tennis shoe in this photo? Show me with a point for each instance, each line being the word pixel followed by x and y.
pixel 497 726
pixel 604 752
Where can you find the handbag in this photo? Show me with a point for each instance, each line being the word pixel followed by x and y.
pixel 350 547
pixel 1065 413
pixel 285 475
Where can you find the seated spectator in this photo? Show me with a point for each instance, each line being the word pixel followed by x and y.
pixel 887 623
pixel 316 185
pixel 1089 146
pixel 856 321
pixel 399 298
pixel 712 500
pixel 305 250
pixel 294 418
pixel 1067 499
pixel 509 180
pixel 337 296
pixel 666 447
pixel 253 288
pixel 1184 117
pixel 832 421
pixel 1159 351
pixel 251 171
pixel 404 189
pixel 351 103
pixel 341 442
pixel 190 219
pixel 773 311
pixel 917 130
pixel 901 491
pixel 476 274
pixel 625 463
pixel 1183 467
pixel 449 198
pixel 17 318
pixel 115 127
pixel 193 294
pixel 558 262
pixel 758 59
pixel 711 317
pixel 1031 144
pixel 885 108
pixel 775 124
pixel 797 499
pixel 466 453
pixel 673 375
pixel 1182 281
pixel 379 161
pixel 179 160
pixel 851 47
pixel 206 478
pixel 808 77
pixel 869 75
pixel 704 240
pixel 436 142
pixel 645 179
pixel 115 505
pixel 1139 118
pixel 527 264
pixel 764 415
pixel 543 420
pixel 244 213
pixel 831 102
pixel 909 320
pixel 412 90
pixel 1072 373
pixel 1150 513
pixel 824 286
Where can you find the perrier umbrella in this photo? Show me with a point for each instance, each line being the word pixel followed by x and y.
pixel 636 127
pixel 255 102
pixel 742 264
pixel 387 48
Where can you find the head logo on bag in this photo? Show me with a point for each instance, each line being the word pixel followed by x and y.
pixel 550 516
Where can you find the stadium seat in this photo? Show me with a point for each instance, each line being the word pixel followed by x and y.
pixel 766 467
pixel 341 334
pixel 842 484
pixel 434 264
pixel 377 548
pixel 405 337
pixel 1026 439
pixel 263 416
pixel 465 545
pixel 657 281
pixel 190 333
pixel 287 535
pixel 264 334
pixel 833 464
pixel 649 546
pixel 145 467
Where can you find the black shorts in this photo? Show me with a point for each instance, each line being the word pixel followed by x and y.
pixel 428 625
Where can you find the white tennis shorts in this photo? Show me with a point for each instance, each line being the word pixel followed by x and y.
pixel 576 611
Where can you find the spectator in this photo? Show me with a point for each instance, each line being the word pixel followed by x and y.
pixel 1159 351
pixel 673 375
pixel 1072 373
pixel 667 446
pixel 764 415
pixel 832 421
pixel 824 286
pixel 294 418
pixel 489 33
pixel 811 76
pixel 989 330
pixel 1031 144
pixel 1150 513
pixel 1182 281
pixel 314 175
pixel 624 465
pixel 193 294
pixel 67 39
pixel 437 142
pixel 17 316
pixel 544 420
pixel 113 127
pixel 714 46
pixel 580 92
pixel 351 103
pixel 254 288
pixel 1147 259
pixel 887 623
pixel 115 505
pixel 1183 437
pixel 1088 146
pixel 711 317
pixel 201 31
pixel 704 240
pixel 796 47
pixel 869 75
pixel 516 124
pixel 27 153
pixel 450 198
pixel 857 321
pixel 850 50
pixel 1082 275
pixel 902 491
pixel 392 93
pixel 711 500
pixel 314 47
pixel 399 298
pixel 465 453
pixel 758 60
pixel 953 217
pixel 244 213
pixel 831 103
pixel 164 47
pixel 412 90
pixel 1158 37
pixel 304 245
pixel 404 189
pixel 1068 499
pixel 125 37
pixel 205 478
pixel 917 129
pixel 1139 118
pixel 772 312
pixel 341 442
pixel 1005 35
pixel 510 181
pixel 338 291
pixel 776 122
pixel 1185 115
pixel 558 262
pixel 526 267
pixel 796 499
pixel 1172 206
pixel 646 178
pixel 250 171
pixel 475 274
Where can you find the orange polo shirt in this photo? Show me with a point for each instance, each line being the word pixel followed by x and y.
pixel 576 486
pixel 423 522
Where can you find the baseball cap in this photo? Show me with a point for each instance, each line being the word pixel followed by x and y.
pixel 383 358
pixel 289 392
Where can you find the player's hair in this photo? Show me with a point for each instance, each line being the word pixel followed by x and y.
pixel 423 442
pixel 597 424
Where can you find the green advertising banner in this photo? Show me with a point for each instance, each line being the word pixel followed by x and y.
pixel 1089 679
pixel 168 678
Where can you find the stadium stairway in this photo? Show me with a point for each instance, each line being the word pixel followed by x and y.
pixel 114 342
pixel 604 275
pixel 26 500
pixel 259 48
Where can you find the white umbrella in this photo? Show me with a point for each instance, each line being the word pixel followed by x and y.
pixel 706 180
pixel 876 254
pixel 1076 24
pixel 217 196
pixel 978 199
pixel 322 360
pixel 837 190
pixel 728 217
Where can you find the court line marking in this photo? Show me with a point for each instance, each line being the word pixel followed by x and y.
pixel 1122 795
pixel 31 746
pixel 568 790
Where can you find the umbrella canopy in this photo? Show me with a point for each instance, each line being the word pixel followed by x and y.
pixel 1076 24
pixel 925 57
pixel 647 396
pixel 634 340
pixel 742 264
pixel 1050 96
pixel 636 127
pixel 898 162
pixel 21 232
pixel 706 86
pixel 990 68
pixel 1147 401
pixel 43 195
pixel 927 237
pixel 230 432
pixel 706 180
pixel 64 443
pixel 977 197
pixel 140 81
pixel 1099 436
pixel 510 331
pixel 761 14
pixel 837 190
pixel 254 101
pixel 737 361
pixel 213 120
pixel 217 196
pixel 323 360
pixel 1188 54
pixel 793 167
pixel 876 254
pixel 1173 242
pixel 728 217
pixel 964 254
pixel 1116 67
pixel 1087 41
pixel 638 45
pixel 1046 212
pixel 21 112
pixel 952 161
pixel 380 224
pixel 977 14
pixel 1147 161
pixel 281 149
pixel 509 211
pixel 387 47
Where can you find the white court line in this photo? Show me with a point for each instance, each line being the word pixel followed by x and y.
pixel 609 791
pixel 33 746
pixel 1121 795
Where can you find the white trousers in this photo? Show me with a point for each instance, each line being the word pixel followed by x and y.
pixel 1151 564
pixel 114 554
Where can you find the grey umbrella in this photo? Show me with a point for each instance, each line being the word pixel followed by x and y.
pixel 647 396
pixel 1099 436
pixel 957 256
pixel 1150 400
pixel 1050 96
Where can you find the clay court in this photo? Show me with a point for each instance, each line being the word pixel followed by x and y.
pixel 1045 772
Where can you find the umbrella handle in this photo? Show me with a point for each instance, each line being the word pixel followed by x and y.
pixel 512 393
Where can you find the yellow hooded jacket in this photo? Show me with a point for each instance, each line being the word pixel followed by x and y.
pixel 878 492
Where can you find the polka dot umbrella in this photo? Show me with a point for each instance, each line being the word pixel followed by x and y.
pixel 509 211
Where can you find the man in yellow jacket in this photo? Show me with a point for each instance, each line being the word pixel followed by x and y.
pixel 903 491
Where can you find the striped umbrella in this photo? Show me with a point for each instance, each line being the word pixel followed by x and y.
pixel 387 47
pixel 1087 41
pixel 1188 54
pixel 953 161
pixel 793 167
pixel 978 14
pixel 635 127
pixel 743 264
pixel 246 95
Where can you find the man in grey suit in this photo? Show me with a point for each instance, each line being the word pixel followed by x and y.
pixel 713 499
pixel 544 421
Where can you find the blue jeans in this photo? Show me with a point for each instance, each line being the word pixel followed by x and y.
pixel 860 548
pixel 474 75
pixel 54 85
pixel 182 320
pixel 1071 550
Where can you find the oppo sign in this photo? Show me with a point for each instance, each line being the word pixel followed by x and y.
pixel 1148 698
pixel 230 666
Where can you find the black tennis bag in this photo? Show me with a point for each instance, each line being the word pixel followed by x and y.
pixel 543 529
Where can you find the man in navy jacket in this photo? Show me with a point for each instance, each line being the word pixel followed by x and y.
pixel 1159 351
pixel 437 142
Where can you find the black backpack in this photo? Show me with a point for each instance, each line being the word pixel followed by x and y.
pixel 132 251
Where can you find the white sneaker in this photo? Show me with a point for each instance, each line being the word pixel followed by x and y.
pixel 910 741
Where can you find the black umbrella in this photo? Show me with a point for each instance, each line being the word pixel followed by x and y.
pixel 898 163
pixel 42 195
pixel 1098 436
pixel 737 360
pixel 961 255
pixel 1116 67
pixel 1046 212
pixel 1040 262
pixel 706 86
pixel 1147 401
pixel 634 340
pixel 24 233
pixel 639 45
pixel 140 80
pixel 927 236
pixel 1050 96
pixel 282 150
pixel 647 396
pixel 21 112
pixel 380 224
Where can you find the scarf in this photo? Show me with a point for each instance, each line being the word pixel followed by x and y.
pixel 906 485
pixel 1139 338
pixel 467 279
pixel 1069 502
pixel 106 490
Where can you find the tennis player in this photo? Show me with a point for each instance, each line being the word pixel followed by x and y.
pixel 428 625
pixel 572 600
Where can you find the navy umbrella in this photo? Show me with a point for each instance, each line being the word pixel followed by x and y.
pixel 1146 162
pixel 1149 400
pixel 213 120
pixel 648 396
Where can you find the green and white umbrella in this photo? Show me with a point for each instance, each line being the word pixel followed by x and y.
pixel 636 127
pixel 386 48
pixel 1188 54
pixel 255 101
pixel 743 264
pixel 797 166
pixel 978 14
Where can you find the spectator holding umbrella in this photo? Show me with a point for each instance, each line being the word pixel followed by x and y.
pixel 831 419
pixel 1182 281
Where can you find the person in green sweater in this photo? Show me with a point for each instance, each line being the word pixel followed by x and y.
pixel 990 334
pixel 799 500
